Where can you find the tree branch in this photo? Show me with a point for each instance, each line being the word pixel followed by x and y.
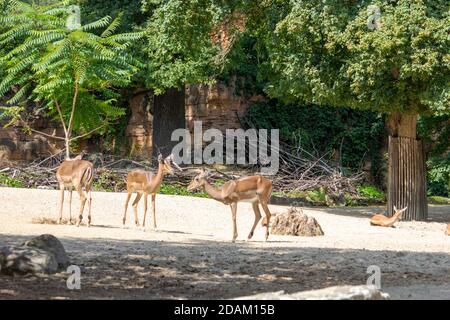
pixel 72 112
pixel 60 115
pixel 46 134
pixel 88 133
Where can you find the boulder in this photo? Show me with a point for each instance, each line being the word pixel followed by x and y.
pixel 43 254
pixel 23 260
pixel 295 223
pixel 362 292
pixel 50 243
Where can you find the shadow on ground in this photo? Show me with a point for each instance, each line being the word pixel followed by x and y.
pixel 144 269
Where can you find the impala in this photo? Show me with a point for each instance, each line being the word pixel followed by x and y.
pixel 383 221
pixel 145 183
pixel 254 189
pixel 75 174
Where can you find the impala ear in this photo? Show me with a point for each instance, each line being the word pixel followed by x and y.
pixel 404 209
pixel 395 208
pixel 160 158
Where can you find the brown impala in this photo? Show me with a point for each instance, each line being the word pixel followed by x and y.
pixel 254 189
pixel 78 174
pixel 145 183
pixel 447 232
pixel 383 221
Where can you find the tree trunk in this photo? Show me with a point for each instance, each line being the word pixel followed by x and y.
pixel 169 114
pixel 407 174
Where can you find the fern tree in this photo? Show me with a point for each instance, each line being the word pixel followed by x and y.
pixel 71 72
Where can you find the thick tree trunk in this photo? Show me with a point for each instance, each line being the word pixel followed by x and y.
pixel 407 174
pixel 169 114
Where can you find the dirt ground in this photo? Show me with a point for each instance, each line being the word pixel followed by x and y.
pixel 191 256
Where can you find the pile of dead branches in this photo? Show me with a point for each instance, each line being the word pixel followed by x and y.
pixel 298 171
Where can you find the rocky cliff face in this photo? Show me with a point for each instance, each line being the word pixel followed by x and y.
pixel 217 106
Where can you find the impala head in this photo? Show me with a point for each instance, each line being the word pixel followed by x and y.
pixel 167 163
pixel 199 180
pixel 399 212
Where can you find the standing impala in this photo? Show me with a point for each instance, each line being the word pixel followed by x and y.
pixel 254 189
pixel 75 173
pixel 144 182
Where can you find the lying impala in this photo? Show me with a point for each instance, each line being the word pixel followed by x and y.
pixel 254 189
pixel 383 221
pixel 75 174
pixel 145 183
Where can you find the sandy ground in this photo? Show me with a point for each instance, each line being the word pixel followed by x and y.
pixel 190 256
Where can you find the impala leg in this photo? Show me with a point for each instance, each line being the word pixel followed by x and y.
pixel 145 209
pixel 257 218
pixel 135 204
pixel 83 202
pixel 70 206
pixel 154 210
pixel 233 216
pixel 90 204
pixel 268 215
pixel 126 207
pixel 61 202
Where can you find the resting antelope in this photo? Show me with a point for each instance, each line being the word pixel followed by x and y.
pixel 254 189
pixel 75 174
pixel 145 183
pixel 383 221
pixel 447 232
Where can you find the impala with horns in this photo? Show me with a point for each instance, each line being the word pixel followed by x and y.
pixel 383 221
pixel 145 183
pixel 75 174
pixel 254 189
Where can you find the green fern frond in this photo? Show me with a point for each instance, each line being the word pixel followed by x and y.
pixel 101 23
pixel 20 95
pixel 113 26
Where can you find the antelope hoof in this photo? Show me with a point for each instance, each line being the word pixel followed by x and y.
pixel 69 222
pixel 58 221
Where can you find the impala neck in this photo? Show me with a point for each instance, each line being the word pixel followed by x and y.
pixel 395 216
pixel 214 192
pixel 159 174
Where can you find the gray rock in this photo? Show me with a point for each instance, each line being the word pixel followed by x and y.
pixel 332 293
pixel 295 223
pixel 43 254
pixel 51 244
pixel 23 260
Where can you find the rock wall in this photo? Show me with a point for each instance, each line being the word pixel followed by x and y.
pixel 15 144
pixel 140 124
pixel 217 106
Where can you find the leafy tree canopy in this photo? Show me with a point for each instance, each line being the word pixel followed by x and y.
pixel 324 52
pixel 64 67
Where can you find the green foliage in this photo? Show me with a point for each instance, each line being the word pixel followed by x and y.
pixel 323 130
pixel 439 200
pixel 439 175
pixel 175 189
pixel 180 49
pixel 371 192
pixel 323 52
pixel 109 181
pixel 7 181
pixel 52 65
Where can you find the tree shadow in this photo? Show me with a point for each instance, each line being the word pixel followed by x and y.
pixel 204 269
